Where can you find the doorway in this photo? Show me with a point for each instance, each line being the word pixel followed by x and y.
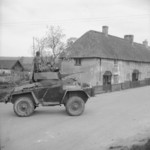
pixel 135 75
pixel 107 81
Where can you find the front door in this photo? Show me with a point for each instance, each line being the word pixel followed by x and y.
pixel 134 76
pixel 107 82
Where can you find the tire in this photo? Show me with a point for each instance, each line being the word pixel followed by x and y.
pixel 23 106
pixel 75 106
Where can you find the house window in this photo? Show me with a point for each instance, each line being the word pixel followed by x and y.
pixel 116 67
pixel 115 63
pixel 116 79
pixel 148 74
pixel 78 62
pixel 140 75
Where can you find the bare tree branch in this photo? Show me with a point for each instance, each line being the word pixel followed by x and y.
pixel 51 42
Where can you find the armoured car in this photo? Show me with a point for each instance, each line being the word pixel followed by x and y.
pixel 48 89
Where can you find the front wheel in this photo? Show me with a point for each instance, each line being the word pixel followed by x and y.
pixel 23 106
pixel 75 106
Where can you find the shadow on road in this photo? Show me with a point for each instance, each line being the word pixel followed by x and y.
pixel 50 112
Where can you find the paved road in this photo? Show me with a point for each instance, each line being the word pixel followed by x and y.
pixel 108 118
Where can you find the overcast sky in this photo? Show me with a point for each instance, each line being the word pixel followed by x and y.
pixel 23 19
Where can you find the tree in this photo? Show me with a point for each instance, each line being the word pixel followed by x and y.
pixel 70 41
pixel 54 42
pixel 51 45
pixel 40 44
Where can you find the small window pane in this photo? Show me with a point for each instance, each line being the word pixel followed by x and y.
pixel 116 79
pixel 78 62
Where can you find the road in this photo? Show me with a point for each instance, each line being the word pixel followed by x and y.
pixel 108 118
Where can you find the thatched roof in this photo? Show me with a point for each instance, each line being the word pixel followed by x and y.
pixel 96 44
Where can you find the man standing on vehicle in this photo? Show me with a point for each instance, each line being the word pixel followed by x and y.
pixel 38 63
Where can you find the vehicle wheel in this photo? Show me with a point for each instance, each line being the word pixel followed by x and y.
pixel 75 106
pixel 24 106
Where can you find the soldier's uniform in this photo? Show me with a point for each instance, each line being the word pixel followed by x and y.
pixel 38 64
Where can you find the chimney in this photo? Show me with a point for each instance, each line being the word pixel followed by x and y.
pixel 129 38
pixel 145 43
pixel 105 30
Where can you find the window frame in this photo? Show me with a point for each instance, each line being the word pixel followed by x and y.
pixel 116 79
pixel 77 61
pixel 115 63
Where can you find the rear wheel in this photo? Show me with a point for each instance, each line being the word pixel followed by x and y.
pixel 24 106
pixel 75 106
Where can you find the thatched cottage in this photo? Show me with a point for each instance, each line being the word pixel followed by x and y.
pixel 103 59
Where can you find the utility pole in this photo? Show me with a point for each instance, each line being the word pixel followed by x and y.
pixel 33 47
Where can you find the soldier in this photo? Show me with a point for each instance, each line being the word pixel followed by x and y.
pixel 38 62
pixel 37 65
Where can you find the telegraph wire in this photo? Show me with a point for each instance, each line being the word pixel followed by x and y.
pixel 73 20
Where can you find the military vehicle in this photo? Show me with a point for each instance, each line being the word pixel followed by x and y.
pixel 48 89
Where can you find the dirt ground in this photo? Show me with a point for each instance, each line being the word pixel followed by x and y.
pixel 109 120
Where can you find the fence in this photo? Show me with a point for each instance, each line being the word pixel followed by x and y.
pixel 121 86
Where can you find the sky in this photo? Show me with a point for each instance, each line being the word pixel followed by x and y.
pixel 21 20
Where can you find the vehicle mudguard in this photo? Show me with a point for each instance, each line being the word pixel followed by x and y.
pixel 31 93
pixel 69 93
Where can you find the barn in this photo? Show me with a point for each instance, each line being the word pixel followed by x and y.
pixel 10 66
pixel 10 70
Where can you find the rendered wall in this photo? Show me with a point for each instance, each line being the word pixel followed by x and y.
pixel 88 72
pixel 92 70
